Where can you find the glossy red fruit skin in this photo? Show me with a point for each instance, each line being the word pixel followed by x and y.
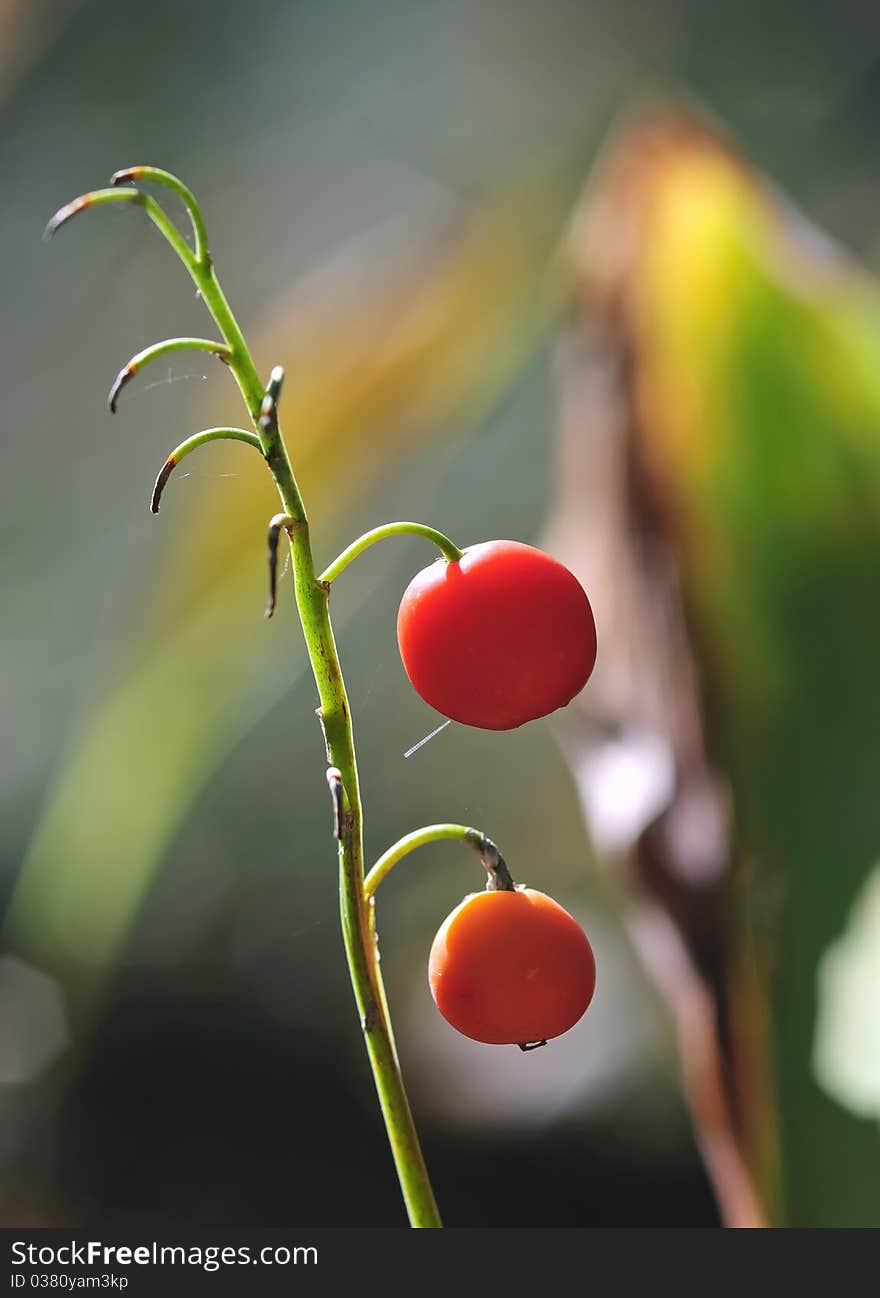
pixel 502 636
pixel 511 968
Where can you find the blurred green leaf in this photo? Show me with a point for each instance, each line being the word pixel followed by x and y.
pixel 753 390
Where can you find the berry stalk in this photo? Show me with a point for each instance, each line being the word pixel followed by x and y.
pixel 312 601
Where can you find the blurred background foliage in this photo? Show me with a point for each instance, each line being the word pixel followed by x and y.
pixel 747 359
pixel 387 187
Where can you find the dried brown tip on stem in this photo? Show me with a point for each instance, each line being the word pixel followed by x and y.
pixel 530 1045
pixel 334 781
pixel 269 404
pixel 268 414
pixel 273 573
pixel 126 175
pixel 64 214
pixel 93 198
pixel 280 523
pixel 500 878
pixel 164 474
pixel 137 362
pixel 125 375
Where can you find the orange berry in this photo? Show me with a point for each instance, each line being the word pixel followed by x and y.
pixel 511 967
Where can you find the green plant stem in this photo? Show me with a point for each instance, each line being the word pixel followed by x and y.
pixel 448 550
pixel 184 193
pixel 192 444
pixel 312 599
pixel 419 838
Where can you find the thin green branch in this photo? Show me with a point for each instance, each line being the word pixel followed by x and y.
pixel 493 861
pixel 96 198
pixel 131 175
pixel 193 443
pixel 152 353
pixel 409 843
pixel 312 599
pixel 446 547
pixel 156 214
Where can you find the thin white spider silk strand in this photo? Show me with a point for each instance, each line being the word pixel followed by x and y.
pixel 415 748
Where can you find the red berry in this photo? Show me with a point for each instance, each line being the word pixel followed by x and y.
pixel 511 968
pixel 501 636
